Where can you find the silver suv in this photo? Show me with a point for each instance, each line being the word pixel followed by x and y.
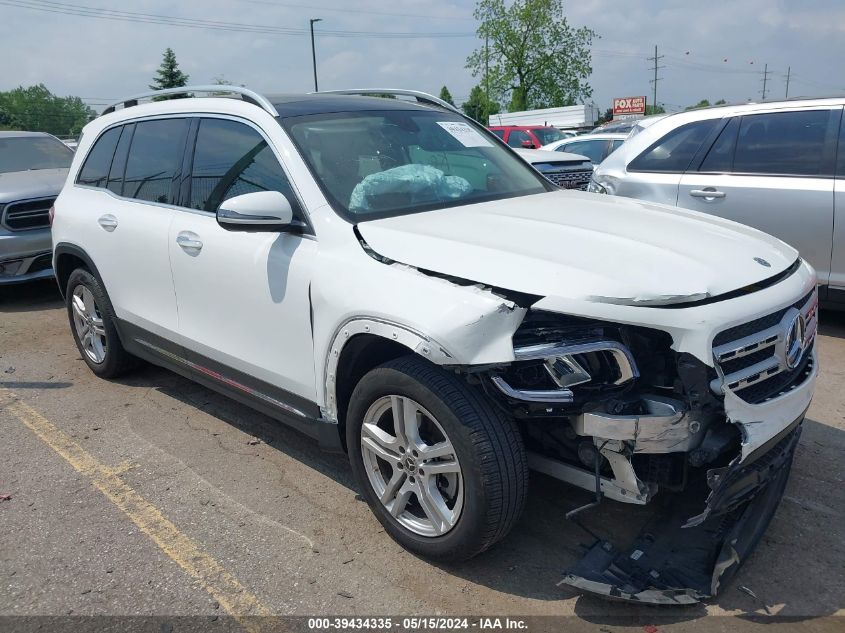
pixel 33 168
pixel 778 167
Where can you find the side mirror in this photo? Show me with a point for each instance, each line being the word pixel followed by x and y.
pixel 259 211
pixel 528 144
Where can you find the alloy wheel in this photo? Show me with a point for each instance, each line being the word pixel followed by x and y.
pixel 412 465
pixel 88 322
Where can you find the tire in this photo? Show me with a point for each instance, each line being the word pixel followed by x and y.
pixel 103 353
pixel 481 502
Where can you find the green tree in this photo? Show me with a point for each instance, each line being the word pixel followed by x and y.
pixel 654 109
pixel 704 103
pixel 533 56
pixel 38 110
pixel 168 74
pixel 446 96
pixel 478 107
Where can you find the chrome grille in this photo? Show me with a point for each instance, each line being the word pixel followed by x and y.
pixel 769 356
pixel 570 179
pixel 28 214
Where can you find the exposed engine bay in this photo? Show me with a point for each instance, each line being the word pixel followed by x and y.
pixel 613 409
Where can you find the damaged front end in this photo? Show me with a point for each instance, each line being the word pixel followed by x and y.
pixel 614 409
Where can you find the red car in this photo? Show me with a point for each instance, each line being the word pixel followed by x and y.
pixel 527 136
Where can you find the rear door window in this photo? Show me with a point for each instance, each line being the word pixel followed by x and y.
pixel 720 157
pixel 674 151
pixel 786 143
pixel 95 171
pixel 594 150
pixel 499 133
pixel 155 156
pixel 231 159
pixel 118 165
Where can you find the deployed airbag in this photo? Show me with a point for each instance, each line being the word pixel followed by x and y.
pixel 406 185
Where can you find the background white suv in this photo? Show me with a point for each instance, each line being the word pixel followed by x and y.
pixel 391 279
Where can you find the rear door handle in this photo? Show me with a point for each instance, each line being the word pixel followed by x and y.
pixel 189 242
pixel 108 222
pixel 708 193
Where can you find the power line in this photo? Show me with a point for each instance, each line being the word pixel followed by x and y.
pixel 356 10
pixel 788 72
pixel 47 6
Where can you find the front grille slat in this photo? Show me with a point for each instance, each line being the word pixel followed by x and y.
pixel 28 214
pixel 570 179
pixel 750 356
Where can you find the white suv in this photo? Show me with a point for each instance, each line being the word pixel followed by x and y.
pixel 390 278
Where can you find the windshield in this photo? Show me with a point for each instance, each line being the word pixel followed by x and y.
pixel 22 153
pixel 548 135
pixel 385 163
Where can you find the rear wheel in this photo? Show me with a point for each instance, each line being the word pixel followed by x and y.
pixel 443 470
pixel 92 322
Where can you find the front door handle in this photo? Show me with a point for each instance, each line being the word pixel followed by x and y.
pixel 189 242
pixel 108 222
pixel 708 193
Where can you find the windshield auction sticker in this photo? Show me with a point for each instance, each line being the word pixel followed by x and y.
pixel 465 134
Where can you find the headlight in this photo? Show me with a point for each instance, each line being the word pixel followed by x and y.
pixel 596 187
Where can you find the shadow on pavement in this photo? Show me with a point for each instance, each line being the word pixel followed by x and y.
pixel 30 297
pixel 832 323
pixel 530 561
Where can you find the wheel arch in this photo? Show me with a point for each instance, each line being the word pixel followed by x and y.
pixel 361 344
pixel 66 259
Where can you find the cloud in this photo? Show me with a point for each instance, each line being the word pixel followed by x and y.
pixel 106 58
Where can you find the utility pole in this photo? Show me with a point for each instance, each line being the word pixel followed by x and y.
pixel 487 79
pixel 313 51
pixel 656 59
pixel 788 70
pixel 766 74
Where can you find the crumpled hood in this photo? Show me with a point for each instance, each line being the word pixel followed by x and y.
pixel 34 183
pixel 584 246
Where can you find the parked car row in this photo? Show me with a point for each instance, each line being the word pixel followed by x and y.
pixel 33 168
pixel 422 299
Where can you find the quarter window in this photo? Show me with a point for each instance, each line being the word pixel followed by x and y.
pixel 675 150
pixel 789 143
pixel 232 159
pixel 517 137
pixel 95 171
pixel 155 156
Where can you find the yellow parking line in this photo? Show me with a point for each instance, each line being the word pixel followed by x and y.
pixel 223 586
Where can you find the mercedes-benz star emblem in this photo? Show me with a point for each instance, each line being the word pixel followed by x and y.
pixel 794 343
pixel 762 262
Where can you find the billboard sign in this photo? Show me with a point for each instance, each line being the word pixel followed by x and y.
pixel 628 107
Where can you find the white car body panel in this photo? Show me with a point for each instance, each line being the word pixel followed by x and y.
pixel 138 273
pixel 543 156
pixel 612 253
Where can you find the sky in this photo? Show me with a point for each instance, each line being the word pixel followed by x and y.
pixel 713 50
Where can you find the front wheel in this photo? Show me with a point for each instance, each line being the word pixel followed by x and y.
pixel 442 469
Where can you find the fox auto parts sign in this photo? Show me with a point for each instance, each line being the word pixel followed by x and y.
pixel 628 107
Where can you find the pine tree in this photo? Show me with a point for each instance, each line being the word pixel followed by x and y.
pixel 446 96
pixel 169 75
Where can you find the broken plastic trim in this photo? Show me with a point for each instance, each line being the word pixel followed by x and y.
pixel 669 563
pixel 520 299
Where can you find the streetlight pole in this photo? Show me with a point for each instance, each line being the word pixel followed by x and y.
pixel 313 51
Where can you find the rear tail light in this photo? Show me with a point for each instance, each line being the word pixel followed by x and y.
pixel 51 214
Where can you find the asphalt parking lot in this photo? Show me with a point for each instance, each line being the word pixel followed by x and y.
pixel 152 495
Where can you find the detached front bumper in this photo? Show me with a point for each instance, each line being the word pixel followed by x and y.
pixel 670 563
